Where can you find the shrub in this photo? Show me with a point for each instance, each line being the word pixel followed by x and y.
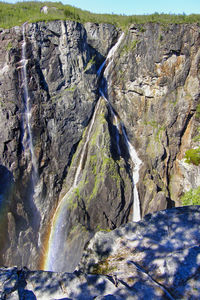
pixel 192 197
pixel 193 156
pixel 16 14
pixel 198 111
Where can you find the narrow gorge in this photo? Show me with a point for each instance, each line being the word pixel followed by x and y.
pixel 95 126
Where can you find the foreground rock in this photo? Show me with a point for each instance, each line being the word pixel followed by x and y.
pixel 156 258
pixel 159 254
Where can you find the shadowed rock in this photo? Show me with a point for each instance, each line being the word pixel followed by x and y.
pixel 156 258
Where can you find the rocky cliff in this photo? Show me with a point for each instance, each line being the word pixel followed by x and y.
pixel 152 83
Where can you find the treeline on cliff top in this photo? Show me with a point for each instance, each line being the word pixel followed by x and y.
pixel 16 14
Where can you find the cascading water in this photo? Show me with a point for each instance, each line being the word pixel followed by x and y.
pixel 137 164
pixel 56 247
pixel 59 227
pixel 133 154
pixel 135 159
pixel 28 138
pixel 34 188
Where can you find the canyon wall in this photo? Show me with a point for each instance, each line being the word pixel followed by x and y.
pixel 152 83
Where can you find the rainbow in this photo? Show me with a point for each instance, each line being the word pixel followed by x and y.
pixel 56 236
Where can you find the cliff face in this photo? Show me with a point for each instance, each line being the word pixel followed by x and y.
pixel 63 90
pixel 153 85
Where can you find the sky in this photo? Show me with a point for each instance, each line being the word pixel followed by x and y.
pixel 131 7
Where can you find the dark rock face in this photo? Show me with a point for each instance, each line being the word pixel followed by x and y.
pixel 63 90
pixel 103 197
pixel 153 85
pixel 156 258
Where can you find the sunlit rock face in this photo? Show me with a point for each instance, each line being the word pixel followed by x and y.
pixel 152 83
pixel 156 258
pixel 160 255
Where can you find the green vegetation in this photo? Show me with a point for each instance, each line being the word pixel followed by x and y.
pixel 196 138
pixel 198 111
pixel 192 197
pixel 102 229
pixel 192 156
pixel 90 63
pixel 16 14
pixel 103 268
pixel 70 89
pixel 9 46
pixel 160 38
pixel 158 129
pixel 129 47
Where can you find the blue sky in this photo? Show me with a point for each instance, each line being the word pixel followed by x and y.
pixel 137 6
pixel 129 7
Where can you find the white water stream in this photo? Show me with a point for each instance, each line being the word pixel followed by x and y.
pixel 135 159
pixel 28 143
pixel 58 231
pixel 56 248
pixel 137 164
pixel 132 152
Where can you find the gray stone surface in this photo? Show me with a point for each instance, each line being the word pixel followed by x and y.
pixel 153 84
pixel 156 258
pixel 162 249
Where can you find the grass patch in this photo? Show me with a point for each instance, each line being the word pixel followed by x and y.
pixel 98 228
pixel 103 268
pixel 90 63
pixel 70 89
pixel 129 47
pixel 196 138
pixel 192 197
pixel 9 46
pixel 198 111
pixel 16 14
pixel 192 156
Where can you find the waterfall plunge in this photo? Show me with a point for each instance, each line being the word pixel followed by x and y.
pixel 28 140
pixel 55 253
pixel 132 152
pixel 35 188
pixel 137 164
pixel 59 227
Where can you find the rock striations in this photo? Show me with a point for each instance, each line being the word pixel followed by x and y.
pixel 78 151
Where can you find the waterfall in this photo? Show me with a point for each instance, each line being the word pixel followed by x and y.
pixel 134 157
pixel 120 127
pixel 137 164
pixel 28 143
pixel 56 250
pixel 58 231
